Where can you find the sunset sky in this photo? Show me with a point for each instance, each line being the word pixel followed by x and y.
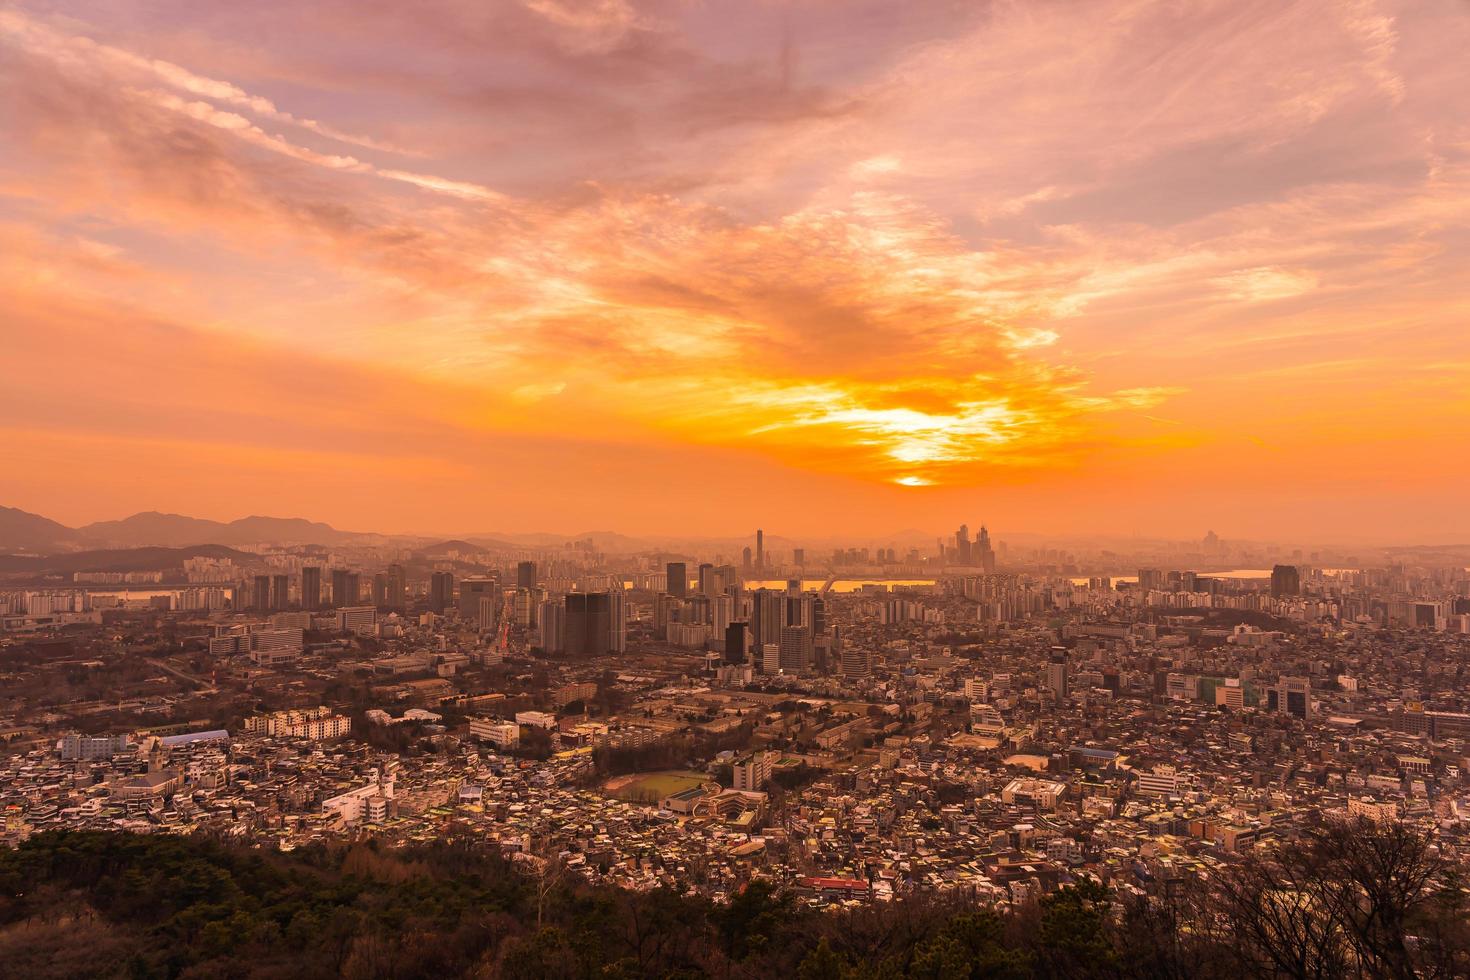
pixel 824 266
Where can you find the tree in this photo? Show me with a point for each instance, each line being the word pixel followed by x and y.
pixel 1349 896
pixel 1073 934
pixel 822 964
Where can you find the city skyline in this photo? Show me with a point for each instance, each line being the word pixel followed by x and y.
pixel 1127 268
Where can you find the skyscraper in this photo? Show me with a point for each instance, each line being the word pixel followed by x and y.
pixel 962 545
pixel 985 554
pixel 677 583
pixel 796 649
pixel 767 616
pixel 471 591
pixel 1056 678
pixel 760 549
pixel 346 587
pixel 594 623
pixel 397 587
pixel 261 596
pixel 855 660
pixel 311 587
pixel 441 591
pixel 526 575
pixel 735 643
pixel 553 625
pixel 280 591
pixel 1286 580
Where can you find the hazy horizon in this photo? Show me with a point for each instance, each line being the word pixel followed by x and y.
pixel 797 538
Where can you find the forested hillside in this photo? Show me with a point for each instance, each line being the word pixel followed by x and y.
pixel 1344 901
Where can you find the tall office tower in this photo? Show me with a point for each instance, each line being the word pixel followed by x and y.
pixel 796 649
pixel 798 557
pixel 987 553
pixel 1056 674
pixel 962 545
pixel 1150 580
pixel 735 643
pixel 487 617
pixel 441 591
pixel 311 587
pixel 397 587
pixel 745 559
pixel 471 591
pixel 526 575
pixel 261 596
pixel 553 625
pixel 705 577
pixel 856 661
pixel 524 606
pixel 760 549
pixel 594 623
pixel 280 591
pixel 677 583
pixel 1286 580
pixel 1291 696
pixel 816 613
pixel 380 589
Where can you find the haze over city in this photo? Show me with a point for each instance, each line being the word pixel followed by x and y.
pixel 665 267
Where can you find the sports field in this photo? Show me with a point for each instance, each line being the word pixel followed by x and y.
pixel 652 786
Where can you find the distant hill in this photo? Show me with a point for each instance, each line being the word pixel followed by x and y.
pixel 459 544
pixel 26 533
pixel 118 560
pixel 176 531
pixel 23 531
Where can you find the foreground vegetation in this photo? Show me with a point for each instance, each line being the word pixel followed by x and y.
pixel 1344 901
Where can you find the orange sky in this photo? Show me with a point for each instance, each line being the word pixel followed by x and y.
pixel 677 266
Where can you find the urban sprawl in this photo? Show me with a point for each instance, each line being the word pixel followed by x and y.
pixel 852 725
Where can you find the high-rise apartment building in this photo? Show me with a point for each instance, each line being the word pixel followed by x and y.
pixel 346 587
pixel 553 625
pixel 397 594
pixel 526 575
pixel 595 624
pixel 795 649
pixel 677 583
pixel 311 587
